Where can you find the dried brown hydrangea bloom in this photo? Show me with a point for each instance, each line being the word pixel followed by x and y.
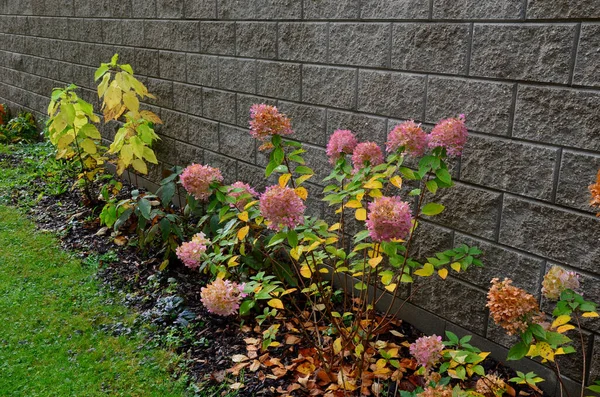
pixel 438 391
pixel 512 308
pixel 595 190
pixel 488 385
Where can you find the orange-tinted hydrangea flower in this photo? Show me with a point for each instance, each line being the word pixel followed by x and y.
pixel 450 134
pixel 557 280
pixel 408 135
pixel 196 180
pixel 511 307
pixel 595 190
pixel 266 121
pixel 281 206
pixel 222 297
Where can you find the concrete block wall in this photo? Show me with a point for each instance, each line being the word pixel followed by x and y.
pixel 525 72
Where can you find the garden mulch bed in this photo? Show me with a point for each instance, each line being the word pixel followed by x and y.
pixel 147 290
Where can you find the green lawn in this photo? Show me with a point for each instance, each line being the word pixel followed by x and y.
pixel 51 318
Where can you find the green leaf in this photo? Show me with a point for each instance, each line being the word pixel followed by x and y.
pixel 127 68
pixel 292 238
pixel 138 146
pixel 408 173
pixel 145 207
pixel 432 186
pixel 303 170
pixel 432 209
pixel 461 373
pixel 444 176
pixel 278 155
pixel 270 168
pixel 149 155
pixel 166 193
pixel 140 166
pixel 246 306
pixel 90 131
pixel 127 154
pixel 100 71
pixel 518 351
pixel 114 59
pixel 88 146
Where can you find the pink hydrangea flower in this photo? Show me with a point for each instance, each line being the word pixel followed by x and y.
pixel 366 152
pixel 451 134
pixel 281 206
pixel 196 180
pixel 341 142
pixel 557 280
pixel 246 190
pixel 190 253
pixel 408 135
pixel 265 121
pixel 222 297
pixel 427 350
pixel 389 218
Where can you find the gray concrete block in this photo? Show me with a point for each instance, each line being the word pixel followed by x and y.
pixel 453 300
pixel 478 9
pixel 366 128
pixel 587 67
pixel 308 122
pixel 119 8
pixel 187 98
pixel 237 74
pixel 551 232
pixel 203 70
pixel 392 94
pixel 172 65
pixel 142 8
pixel 237 142
pixel 331 86
pixel 95 9
pixel 256 39
pixel 486 105
pixel 218 105
pixel 217 38
pixel 146 62
pixel 188 154
pixel 133 33
pixel 500 262
pixel 360 44
pixel 558 116
pixel 175 125
pixel 169 9
pixel 510 166
pixel 278 80
pixel 236 9
pixel 595 363
pixel 523 52
pixel 162 90
pixel 394 9
pixel 468 209
pixel 172 35
pixel 278 9
pixel 577 172
pixel 428 239
pixel 560 9
pixel 331 9
pixel 430 47
pixel 203 133
pixel 301 41
pixel 200 9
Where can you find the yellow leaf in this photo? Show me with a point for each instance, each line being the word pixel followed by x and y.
pixel 361 214
pixel 425 271
pixel 381 363
pixel 276 303
pixel 589 314
pixel 386 278
pixel 375 193
pixel 375 261
pixel 112 96
pixel 334 227
pixel 532 352
pixel 391 287
pixel 561 320
pixel 305 271
pixel 250 204
pixel 243 216
pixel 233 261
pixel 300 180
pixel 89 146
pixel 131 101
pixel 331 240
pixel 545 350
pixel 443 273
pixel 406 278
pixel 337 345
pixel 396 181
pixel 354 204
pixel 140 166
pixel 455 266
pixel 284 179
pixel 296 252
pixel 301 192
pixel 324 270
pixel 360 196
pixel 564 328
pixel 243 232
pixel 373 184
